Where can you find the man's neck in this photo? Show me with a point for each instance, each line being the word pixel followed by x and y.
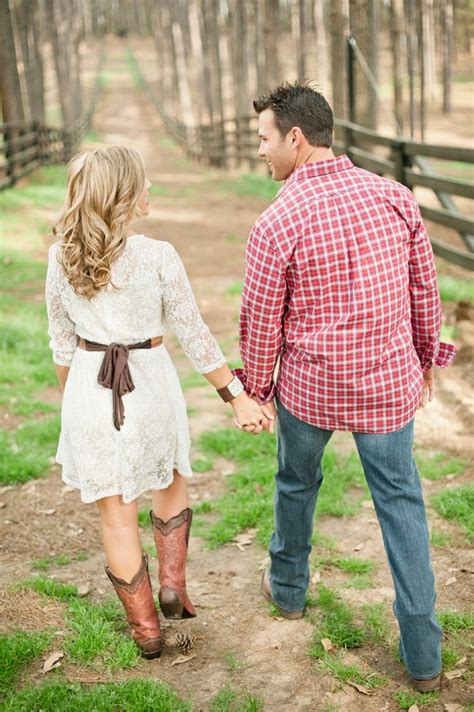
pixel 314 154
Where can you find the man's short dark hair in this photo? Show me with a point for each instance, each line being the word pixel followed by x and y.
pixel 299 105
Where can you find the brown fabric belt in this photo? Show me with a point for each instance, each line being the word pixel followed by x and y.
pixel 114 372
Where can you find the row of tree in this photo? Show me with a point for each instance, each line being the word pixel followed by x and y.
pixel 214 56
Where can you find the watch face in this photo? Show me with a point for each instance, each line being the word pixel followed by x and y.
pixel 235 387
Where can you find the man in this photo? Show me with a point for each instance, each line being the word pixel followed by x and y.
pixel 341 288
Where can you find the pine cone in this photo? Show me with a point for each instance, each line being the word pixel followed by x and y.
pixel 183 641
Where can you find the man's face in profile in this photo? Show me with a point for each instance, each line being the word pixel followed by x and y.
pixel 277 150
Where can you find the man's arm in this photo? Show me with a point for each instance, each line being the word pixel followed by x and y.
pixel 426 304
pixel 261 316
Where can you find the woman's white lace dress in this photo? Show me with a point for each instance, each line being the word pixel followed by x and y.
pixel 149 291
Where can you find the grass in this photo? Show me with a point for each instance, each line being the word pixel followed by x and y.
pixel 376 624
pixel 95 635
pixel 359 569
pixel 229 700
pixel 193 380
pixel 48 562
pixel 46 187
pixel 406 699
pixel 436 466
pixel 252 184
pixel 248 499
pixel 454 289
pixel 457 504
pixel 439 539
pixel 139 695
pixel 26 451
pixel 456 621
pixel 233 664
pixel 234 289
pixel 48 587
pixel 337 624
pixel 16 651
pixel 202 464
pixel 350 673
pixel 144 518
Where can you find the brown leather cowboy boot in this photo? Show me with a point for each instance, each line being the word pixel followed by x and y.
pixel 171 539
pixel 137 599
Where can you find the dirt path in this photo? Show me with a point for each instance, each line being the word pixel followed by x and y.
pixel 208 227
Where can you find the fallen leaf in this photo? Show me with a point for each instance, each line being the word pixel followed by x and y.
pixel 452 707
pixel 413 708
pixel 451 580
pixel 263 564
pixel 75 532
pixel 327 644
pixel 52 661
pixel 67 489
pixel 316 578
pixel 372 520
pixel 183 659
pixel 294 650
pixel 47 511
pixel 467 570
pixel 277 646
pixel 3 505
pixel 360 688
pixel 453 674
pixel 450 477
pixel 242 540
pixel 462 660
pixel 368 504
pixel 359 547
pixel 83 589
pixel 453 568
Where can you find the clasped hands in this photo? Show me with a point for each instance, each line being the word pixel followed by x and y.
pixel 252 417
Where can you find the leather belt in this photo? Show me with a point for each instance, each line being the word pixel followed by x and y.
pixel 114 371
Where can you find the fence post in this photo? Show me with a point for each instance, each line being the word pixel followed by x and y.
pixel 9 155
pixel 401 161
pixel 351 87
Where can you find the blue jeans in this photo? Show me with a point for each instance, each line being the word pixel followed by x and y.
pixel 395 486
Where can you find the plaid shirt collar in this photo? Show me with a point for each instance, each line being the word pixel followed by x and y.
pixel 318 168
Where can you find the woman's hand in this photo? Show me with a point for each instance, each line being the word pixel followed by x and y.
pixel 248 415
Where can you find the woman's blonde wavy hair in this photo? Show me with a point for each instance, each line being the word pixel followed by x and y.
pixel 103 190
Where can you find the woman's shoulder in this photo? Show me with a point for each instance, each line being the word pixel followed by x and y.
pixel 150 246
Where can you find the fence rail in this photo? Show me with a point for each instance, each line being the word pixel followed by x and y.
pixel 26 145
pixel 232 142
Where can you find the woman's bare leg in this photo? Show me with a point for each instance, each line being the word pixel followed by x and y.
pixel 171 501
pixel 122 545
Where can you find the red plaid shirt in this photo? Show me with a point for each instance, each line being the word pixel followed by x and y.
pixel 341 285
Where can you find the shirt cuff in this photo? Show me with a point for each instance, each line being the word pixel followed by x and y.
pixel 443 357
pixel 260 395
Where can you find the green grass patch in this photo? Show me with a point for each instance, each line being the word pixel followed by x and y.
pixel 48 587
pixel 234 289
pixel 16 651
pixel 133 695
pixel 438 465
pixel 96 634
pixel 456 621
pixel 406 699
pixel 232 662
pixel 457 504
pixel 232 239
pixel 454 289
pixel 193 380
pixel 351 673
pixel 144 518
pixel 337 624
pixel 230 700
pixel 26 451
pixel 202 464
pixel 352 565
pixel 44 188
pixel 159 190
pixel 252 184
pixel 376 624
pixel 248 500
pixel 439 539
pixel 92 136
pixel 48 562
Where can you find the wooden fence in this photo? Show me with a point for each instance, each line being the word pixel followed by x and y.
pixel 233 142
pixel 26 145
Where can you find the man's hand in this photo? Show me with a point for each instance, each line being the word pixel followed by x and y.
pixel 427 393
pixel 270 412
pixel 249 415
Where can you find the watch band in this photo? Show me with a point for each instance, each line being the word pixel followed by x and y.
pixel 231 391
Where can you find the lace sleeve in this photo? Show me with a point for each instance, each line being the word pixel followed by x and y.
pixel 182 315
pixel 61 329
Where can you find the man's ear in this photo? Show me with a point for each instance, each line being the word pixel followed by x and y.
pixel 295 135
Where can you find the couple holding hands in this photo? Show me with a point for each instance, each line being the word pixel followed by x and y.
pixel 340 290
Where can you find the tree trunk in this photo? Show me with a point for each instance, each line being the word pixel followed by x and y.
pixel 373 61
pixel 396 32
pixel 410 25
pixel 12 102
pixel 62 20
pixel 447 10
pixel 300 37
pixel 321 46
pixel 238 58
pixel 338 30
pixel 271 33
pixel 259 14
pixel 211 15
pixel 182 70
pixel 421 64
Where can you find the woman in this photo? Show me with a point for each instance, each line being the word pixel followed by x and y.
pixel 124 427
